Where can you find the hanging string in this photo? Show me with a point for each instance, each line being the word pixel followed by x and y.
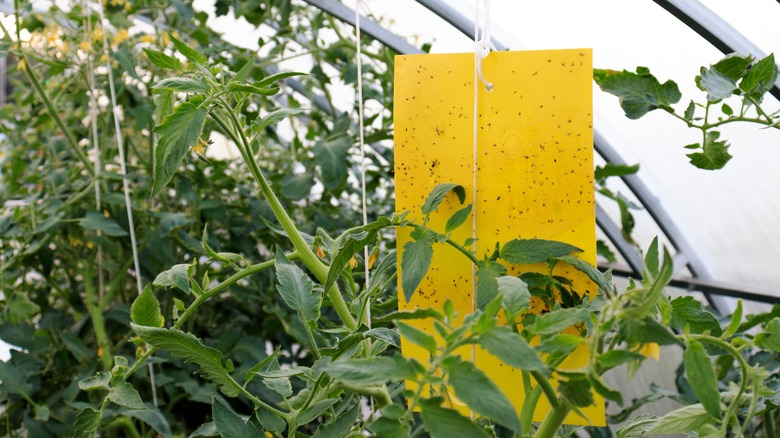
pixel 94 112
pixel 359 65
pixel 483 44
pixel 117 111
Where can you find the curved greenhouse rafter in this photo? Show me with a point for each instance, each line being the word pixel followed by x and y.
pixel 686 256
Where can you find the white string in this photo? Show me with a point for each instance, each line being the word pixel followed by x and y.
pixel 483 44
pixel 362 150
pixel 116 111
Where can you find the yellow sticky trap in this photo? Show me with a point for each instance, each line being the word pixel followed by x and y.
pixel 534 175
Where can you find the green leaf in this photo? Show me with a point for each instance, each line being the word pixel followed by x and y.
pixel 95 220
pixel 371 371
pixel 275 117
pixel 615 358
pixel 690 111
pixel 559 320
pixel 146 309
pixel 770 338
pixel 188 347
pixel 733 66
pixel 279 385
pixel 245 70
pixel 386 428
pixel 701 376
pixel 417 337
pixel 512 349
pixel 339 427
pixel 178 276
pixel 385 335
pixel 297 187
pixel 457 219
pixel 315 410
pixel 609 170
pixel 736 320
pixel 268 80
pixel 714 153
pixel 448 423
pixel 125 395
pixel 717 85
pixel 576 389
pixel 647 330
pixel 683 420
pixel 487 282
pixel 185 85
pixel 101 380
pixel 407 315
pixel 586 268
pixel 229 424
pixel 528 251
pixel 639 92
pixel 415 261
pixel 760 78
pixel 474 388
pixel 178 133
pixel 297 289
pixel 187 51
pixel 252 89
pixel 86 423
pixel 688 311
pixel 437 195
pixel 20 308
pixel 605 390
pixel 14 380
pixel 331 157
pixel 153 418
pixel 651 262
pixel 352 244
pixel 162 60
pixel 269 421
pixel 515 296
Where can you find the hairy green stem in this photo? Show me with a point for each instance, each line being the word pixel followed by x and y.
pixel 126 424
pixel 553 421
pixel 379 393
pixel 94 307
pixel 450 242
pixel 769 423
pixel 306 254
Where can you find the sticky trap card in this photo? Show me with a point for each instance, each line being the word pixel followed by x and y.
pixel 534 169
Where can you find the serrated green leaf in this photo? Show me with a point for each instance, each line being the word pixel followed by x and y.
pixel 125 395
pixel 512 349
pixel 610 170
pixel 529 251
pixel 178 276
pixel 576 389
pixel 269 421
pixel 275 117
pixel 86 424
pixel 515 296
pixel 559 320
pixel 683 420
pixel 760 78
pixel 101 380
pixel 96 221
pixel 604 390
pixel 487 282
pixel 717 85
pixel 442 422
pixel 714 153
pixel 647 330
pixel 701 376
pixel 690 111
pixel 386 335
pixel 339 427
pixel 733 66
pixel 371 371
pixel 417 337
pixel 437 195
pixel 279 385
pixel 736 320
pixel 687 311
pixel 386 428
pixel 415 261
pixel 297 289
pixel 315 410
pixel 651 262
pixel 770 338
pixel 457 219
pixel 184 85
pixel 162 60
pixel 186 346
pixel 331 158
pixel 152 417
pixel 268 80
pixel 352 244
pixel 145 309
pixel 638 92
pixel 14 380
pixel 252 89
pixel 178 133
pixel 245 70
pixel 187 51
pixel 231 425
pixel 615 358
pixel 586 268
pixel 474 388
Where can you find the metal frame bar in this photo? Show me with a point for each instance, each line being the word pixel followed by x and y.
pixel 714 29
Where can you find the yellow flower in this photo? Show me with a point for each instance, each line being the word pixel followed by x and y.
pixel 198 148
pixel 121 35
pixel 85 46
pixel 650 349
pixel 319 251
pixel 372 257
pixel 147 39
pixel 353 262
pixel 97 34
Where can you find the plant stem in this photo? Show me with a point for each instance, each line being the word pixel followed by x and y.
pixel 546 388
pixel 450 242
pixel 553 421
pixel 306 254
pixel 381 394
pixel 769 423
pixel 126 424
pixel 98 323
